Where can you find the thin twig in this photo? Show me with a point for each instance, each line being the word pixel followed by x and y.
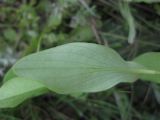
pixel 94 29
pixel 93 24
pixel 97 33
pixel 83 2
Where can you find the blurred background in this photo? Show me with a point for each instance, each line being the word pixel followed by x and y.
pixel 131 27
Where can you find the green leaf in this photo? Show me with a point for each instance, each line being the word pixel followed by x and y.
pixel 16 90
pixel 76 68
pixel 150 61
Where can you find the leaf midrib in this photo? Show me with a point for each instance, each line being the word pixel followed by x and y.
pixel 116 69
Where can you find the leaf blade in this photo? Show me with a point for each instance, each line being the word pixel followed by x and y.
pixel 16 90
pixel 76 67
pixel 151 61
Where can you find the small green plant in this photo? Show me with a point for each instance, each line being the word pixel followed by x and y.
pixel 74 68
